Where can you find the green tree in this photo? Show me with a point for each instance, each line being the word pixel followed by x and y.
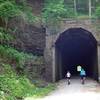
pixel 10 9
pixel 55 10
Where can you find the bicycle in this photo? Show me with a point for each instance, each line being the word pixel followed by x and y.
pixel 68 81
pixel 83 80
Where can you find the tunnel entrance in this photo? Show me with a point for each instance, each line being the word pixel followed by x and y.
pixel 76 46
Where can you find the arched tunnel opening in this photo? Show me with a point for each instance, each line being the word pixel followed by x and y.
pixel 76 46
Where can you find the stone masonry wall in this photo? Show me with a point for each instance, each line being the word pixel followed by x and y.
pixel 86 24
pixel 30 38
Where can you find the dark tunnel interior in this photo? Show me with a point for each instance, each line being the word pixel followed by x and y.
pixel 76 46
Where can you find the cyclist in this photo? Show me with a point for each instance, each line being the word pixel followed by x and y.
pixel 68 75
pixel 83 76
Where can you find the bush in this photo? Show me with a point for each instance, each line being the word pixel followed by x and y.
pixel 23 63
pixel 12 8
pixel 14 87
pixel 55 10
pixel 5 37
pixel 14 56
pixel 8 10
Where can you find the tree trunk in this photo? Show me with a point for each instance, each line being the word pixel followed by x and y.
pixel 75 7
pixel 90 10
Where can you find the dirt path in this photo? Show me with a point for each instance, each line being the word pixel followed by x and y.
pixel 75 91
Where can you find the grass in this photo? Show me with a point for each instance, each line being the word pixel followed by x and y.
pixel 15 87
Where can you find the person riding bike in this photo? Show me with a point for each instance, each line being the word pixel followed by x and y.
pixel 68 75
pixel 83 76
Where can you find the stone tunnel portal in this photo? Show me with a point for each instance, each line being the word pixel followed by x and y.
pixel 76 46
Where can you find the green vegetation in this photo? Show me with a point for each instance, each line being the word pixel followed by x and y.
pixel 11 54
pixel 14 87
pixel 98 12
pixel 10 9
pixel 14 84
pixel 5 37
pixel 55 10
pixel 21 61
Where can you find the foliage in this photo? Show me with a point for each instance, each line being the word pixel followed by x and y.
pixel 10 9
pixel 53 12
pixel 5 36
pixel 20 59
pixel 56 10
pixel 12 54
pixel 13 87
pixel 98 12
